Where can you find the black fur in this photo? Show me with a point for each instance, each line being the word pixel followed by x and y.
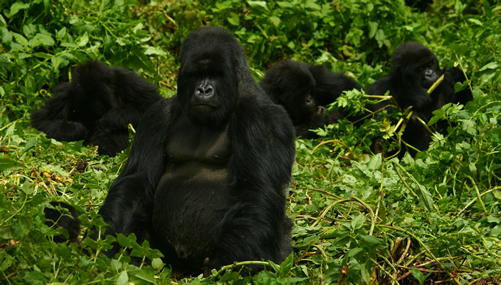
pixel 414 70
pixel 70 223
pixel 208 174
pixel 96 107
pixel 305 90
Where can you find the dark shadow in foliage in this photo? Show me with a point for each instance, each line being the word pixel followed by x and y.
pixel 414 70
pixel 209 169
pixel 419 5
pixel 305 90
pixel 96 106
pixel 67 219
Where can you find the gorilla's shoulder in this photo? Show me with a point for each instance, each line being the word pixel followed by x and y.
pixel 260 106
pixel 260 114
pixel 164 107
pixel 380 86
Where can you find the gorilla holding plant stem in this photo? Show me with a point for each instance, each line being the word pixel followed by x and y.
pixel 209 169
pixel 414 70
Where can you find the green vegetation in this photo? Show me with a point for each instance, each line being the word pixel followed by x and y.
pixel 360 219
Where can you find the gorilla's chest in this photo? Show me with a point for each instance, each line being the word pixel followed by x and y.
pixel 200 145
pixel 192 195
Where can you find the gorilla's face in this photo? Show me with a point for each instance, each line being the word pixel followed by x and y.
pixel 207 83
pixel 429 71
pixel 303 104
pixel 296 88
pixel 415 63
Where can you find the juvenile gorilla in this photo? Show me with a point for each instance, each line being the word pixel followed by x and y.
pixel 304 90
pixel 96 107
pixel 209 170
pixel 414 70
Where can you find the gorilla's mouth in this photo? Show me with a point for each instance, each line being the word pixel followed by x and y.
pixel 202 107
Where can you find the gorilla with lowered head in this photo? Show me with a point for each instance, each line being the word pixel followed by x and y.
pixel 209 170
pixel 305 90
pixel 414 70
pixel 96 107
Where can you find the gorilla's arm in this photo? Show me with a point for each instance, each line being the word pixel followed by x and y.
pixel 318 120
pixel 129 204
pixel 454 75
pixel 110 132
pixel 406 91
pixel 263 155
pixel 132 95
pixel 52 117
pixel 330 85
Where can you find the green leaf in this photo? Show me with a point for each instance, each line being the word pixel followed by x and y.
pixel 358 222
pixel 376 162
pixel 83 40
pixel 286 5
pixel 233 19
pixel 15 8
pixel 6 35
pixel 312 5
pixel 157 263
pixel 371 240
pixel 123 279
pixel 490 65
pixel 275 21
pixel 353 252
pixel 380 37
pixel 286 266
pixel 425 198
pixel 20 39
pixel 258 4
pixel 123 240
pixel 275 266
pixel 366 270
pixel 28 188
pixel 61 34
pixel 31 143
pixel 43 55
pixel 153 51
pixel 146 276
pixel 35 278
pixel 418 275
pixel 6 163
pixel 373 29
pixel 475 21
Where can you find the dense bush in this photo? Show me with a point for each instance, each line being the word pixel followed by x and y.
pixel 360 218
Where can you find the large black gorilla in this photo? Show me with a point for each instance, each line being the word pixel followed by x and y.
pixel 305 90
pixel 96 107
pixel 208 174
pixel 414 70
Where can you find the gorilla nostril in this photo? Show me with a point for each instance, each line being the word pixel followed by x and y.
pixel 199 91
pixel 209 91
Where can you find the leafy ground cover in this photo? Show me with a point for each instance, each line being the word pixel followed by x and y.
pixel 359 218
